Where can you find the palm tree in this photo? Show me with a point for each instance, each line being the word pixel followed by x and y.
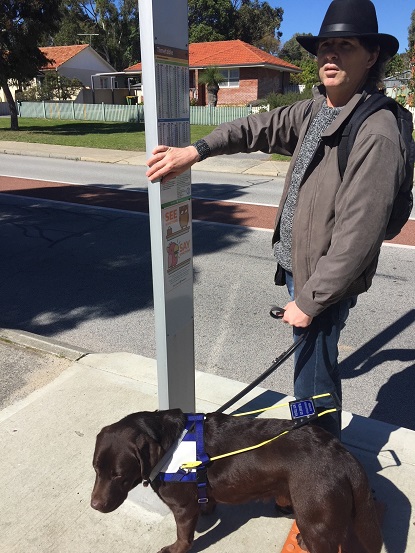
pixel 212 77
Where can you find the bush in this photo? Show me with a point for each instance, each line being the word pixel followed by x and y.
pixel 277 100
pixel 256 103
pixel 52 87
pixel 401 99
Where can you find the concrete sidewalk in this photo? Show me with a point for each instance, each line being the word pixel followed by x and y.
pixel 48 440
pixel 251 164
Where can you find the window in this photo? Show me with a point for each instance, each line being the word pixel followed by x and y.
pixel 232 78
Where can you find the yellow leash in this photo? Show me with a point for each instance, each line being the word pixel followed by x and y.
pixel 277 407
pixel 194 464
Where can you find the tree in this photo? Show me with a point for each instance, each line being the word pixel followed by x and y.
pixel 53 87
pixel 296 54
pixel 110 27
pixel 411 84
pixel 212 77
pixel 74 22
pixel 257 23
pixel 293 52
pixel 22 24
pixel 398 64
pixel 411 33
pixel 309 74
pixel 252 21
pixel 211 20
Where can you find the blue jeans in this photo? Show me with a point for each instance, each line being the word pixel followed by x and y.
pixel 316 368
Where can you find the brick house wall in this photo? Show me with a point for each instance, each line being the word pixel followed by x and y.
pixel 245 93
pixel 254 83
pixel 272 81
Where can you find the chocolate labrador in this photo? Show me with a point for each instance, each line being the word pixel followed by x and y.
pixel 306 468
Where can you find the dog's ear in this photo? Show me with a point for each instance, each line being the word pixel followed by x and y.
pixel 148 452
pixel 173 422
pixel 163 427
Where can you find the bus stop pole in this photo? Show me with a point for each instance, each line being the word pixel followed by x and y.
pixel 165 66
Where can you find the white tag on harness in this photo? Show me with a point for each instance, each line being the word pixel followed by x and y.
pixel 185 453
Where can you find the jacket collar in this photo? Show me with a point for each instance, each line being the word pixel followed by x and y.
pixel 320 97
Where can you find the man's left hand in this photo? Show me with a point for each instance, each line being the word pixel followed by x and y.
pixel 295 317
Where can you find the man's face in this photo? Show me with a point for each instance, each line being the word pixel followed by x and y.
pixel 343 67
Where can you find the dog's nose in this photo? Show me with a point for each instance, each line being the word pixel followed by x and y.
pixel 97 504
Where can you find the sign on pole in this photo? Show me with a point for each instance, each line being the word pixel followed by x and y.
pixel 164 57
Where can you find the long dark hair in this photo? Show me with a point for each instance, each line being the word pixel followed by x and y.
pixel 377 71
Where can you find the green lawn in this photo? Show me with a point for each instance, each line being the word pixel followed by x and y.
pixel 278 157
pixel 90 134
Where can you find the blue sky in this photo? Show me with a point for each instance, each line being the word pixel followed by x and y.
pixel 306 16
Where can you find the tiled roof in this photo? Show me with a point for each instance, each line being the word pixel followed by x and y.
pixel 135 67
pixel 232 52
pixel 228 53
pixel 61 54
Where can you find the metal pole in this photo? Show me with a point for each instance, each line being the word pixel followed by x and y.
pixel 164 56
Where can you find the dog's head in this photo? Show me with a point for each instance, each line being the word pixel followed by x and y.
pixel 125 454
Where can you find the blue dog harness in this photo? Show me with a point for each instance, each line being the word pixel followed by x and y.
pixel 191 443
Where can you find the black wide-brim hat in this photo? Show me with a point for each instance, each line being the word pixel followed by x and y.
pixel 351 18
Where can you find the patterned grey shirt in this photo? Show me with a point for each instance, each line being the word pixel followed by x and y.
pixel 282 249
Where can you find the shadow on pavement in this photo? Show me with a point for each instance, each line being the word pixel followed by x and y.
pixel 395 398
pixel 397 520
pixel 63 265
pixel 226 520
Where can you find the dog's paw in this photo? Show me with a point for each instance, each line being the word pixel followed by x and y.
pixel 176 547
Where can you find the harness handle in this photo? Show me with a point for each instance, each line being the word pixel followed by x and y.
pixel 277 312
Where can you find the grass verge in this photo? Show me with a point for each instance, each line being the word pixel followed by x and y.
pixel 90 134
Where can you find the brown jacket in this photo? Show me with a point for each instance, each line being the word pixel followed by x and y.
pixel 338 226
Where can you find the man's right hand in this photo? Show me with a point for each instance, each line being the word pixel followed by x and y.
pixel 295 317
pixel 167 162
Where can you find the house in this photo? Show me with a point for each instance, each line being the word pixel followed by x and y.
pixel 250 73
pixel 117 87
pixel 78 61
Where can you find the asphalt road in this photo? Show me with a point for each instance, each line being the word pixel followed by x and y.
pixel 221 186
pixel 82 275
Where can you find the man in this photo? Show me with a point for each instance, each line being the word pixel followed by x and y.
pixel 328 231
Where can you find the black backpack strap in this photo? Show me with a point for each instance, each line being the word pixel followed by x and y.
pixel 342 149
pixel 374 103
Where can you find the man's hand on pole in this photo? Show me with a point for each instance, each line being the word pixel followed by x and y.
pixel 166 163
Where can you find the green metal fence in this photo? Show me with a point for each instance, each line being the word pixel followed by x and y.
pixel 199 115
pixel 207 115
pixel 82 112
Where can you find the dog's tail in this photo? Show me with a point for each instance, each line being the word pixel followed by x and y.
pixel 365 521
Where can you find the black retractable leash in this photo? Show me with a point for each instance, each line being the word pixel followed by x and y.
pixel 276 313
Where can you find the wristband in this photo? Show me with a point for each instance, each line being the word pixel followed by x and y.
pixel 202 149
